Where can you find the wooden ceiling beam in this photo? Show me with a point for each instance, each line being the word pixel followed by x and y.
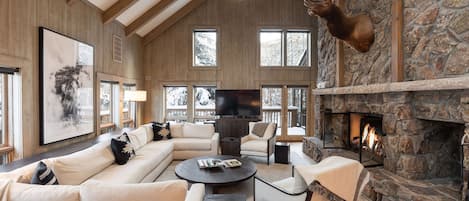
pixel 116 9
pixel 147 16
pixel 157 31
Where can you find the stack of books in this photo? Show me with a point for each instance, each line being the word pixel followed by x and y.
pixel 212 163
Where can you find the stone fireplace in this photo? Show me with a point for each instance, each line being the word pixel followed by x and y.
pixel 420 132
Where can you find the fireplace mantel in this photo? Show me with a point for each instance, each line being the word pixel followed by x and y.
pixel 420 85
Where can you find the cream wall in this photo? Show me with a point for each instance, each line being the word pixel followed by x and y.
pixel 20 20
pixel 168 58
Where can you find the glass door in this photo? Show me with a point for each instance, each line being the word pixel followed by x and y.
pixel 297 112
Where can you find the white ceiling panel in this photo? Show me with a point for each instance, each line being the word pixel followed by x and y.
pixel 136 10
pixel 103 4
pixel 157 20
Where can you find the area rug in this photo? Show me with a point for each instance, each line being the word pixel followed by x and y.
pixel 272 172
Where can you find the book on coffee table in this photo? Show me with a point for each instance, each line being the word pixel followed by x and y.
pixel 231 163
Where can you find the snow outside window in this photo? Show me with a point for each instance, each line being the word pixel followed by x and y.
pixel 205 48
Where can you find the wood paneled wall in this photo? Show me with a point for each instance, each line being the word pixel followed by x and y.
pixel 168 58
pixel 19 22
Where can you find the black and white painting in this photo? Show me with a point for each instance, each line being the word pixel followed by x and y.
pixel 66 81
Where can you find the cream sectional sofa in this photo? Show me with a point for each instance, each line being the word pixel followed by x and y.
pixel 95 165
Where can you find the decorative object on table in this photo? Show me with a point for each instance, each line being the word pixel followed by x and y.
pixel 135 96
pixel 282 152
pixel 66 74
pixel 357 30
pixel 465 165
pixel 209 163
pixel 161 131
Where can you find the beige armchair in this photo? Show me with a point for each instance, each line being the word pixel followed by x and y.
pixel 253 145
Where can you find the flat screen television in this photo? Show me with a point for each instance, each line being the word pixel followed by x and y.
pixel 238 102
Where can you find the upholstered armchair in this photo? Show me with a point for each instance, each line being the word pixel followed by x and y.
pixel 293 188
pixel 255 145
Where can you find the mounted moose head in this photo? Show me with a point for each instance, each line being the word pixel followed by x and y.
pixel 357 31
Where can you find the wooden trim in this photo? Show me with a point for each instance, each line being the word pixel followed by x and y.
pixel 157 31
pixel 147 16
pixel 397 55
pixel 107 125
pixel 116 9
pixel 340 56
pixel 420 85
pixel 6 149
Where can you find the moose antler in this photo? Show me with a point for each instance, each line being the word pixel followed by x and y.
pixel 357 30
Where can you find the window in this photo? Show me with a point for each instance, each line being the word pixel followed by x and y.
pixel 272 106
pixel 128 108
pixel 205 48
pixel 271 48
pixel 284 48
pixel 297 103
pixel 298 46
pixel 176 103
pixel 204 98
pixel 109 106
pixel 10 107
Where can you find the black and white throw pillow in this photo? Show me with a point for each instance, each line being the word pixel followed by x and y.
pixel 161 131
pixel 122 149
pixel 44 175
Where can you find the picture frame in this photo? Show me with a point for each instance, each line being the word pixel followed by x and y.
pixel 66 87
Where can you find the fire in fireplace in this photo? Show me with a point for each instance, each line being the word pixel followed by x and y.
pixel 366 137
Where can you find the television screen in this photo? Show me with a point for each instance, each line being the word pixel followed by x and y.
pixel 238 102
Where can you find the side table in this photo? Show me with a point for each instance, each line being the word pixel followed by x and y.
pixel 282 152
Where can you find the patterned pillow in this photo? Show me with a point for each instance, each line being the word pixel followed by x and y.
pixel 43 175
pixel 161 131
pixel 122 149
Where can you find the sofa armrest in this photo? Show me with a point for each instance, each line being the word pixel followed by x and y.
pixel 196 193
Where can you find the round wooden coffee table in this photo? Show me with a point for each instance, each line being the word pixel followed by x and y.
pixel 189 170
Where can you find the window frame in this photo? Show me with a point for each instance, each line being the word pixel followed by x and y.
pixel 111 125
pixel 217 47
pixel 10 109
pixel 165 111
pixel 284 31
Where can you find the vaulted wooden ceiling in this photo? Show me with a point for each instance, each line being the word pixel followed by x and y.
pixel 146 18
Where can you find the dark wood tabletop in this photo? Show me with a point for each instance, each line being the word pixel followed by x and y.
pixel 190 171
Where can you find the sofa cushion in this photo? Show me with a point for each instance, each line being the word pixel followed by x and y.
pixel 75 168
pixel 198 130
pixel 33 192
pixel 138 137
pixel 122 151
pixel 44 175
pixel 147 158
pixel 255 146
pixel 149 131
pixel 181 144
pixel 176 130
pixel 162 191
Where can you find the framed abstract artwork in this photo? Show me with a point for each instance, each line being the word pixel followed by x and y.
pixel 66 77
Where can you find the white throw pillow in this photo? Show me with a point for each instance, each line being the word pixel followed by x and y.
pixel 33 192
pixel 74 169
pixel 198 131
pixel 138 137
pixel 174 190
pixel 176 130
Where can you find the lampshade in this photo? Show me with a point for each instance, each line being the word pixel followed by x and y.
pixel 137 96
